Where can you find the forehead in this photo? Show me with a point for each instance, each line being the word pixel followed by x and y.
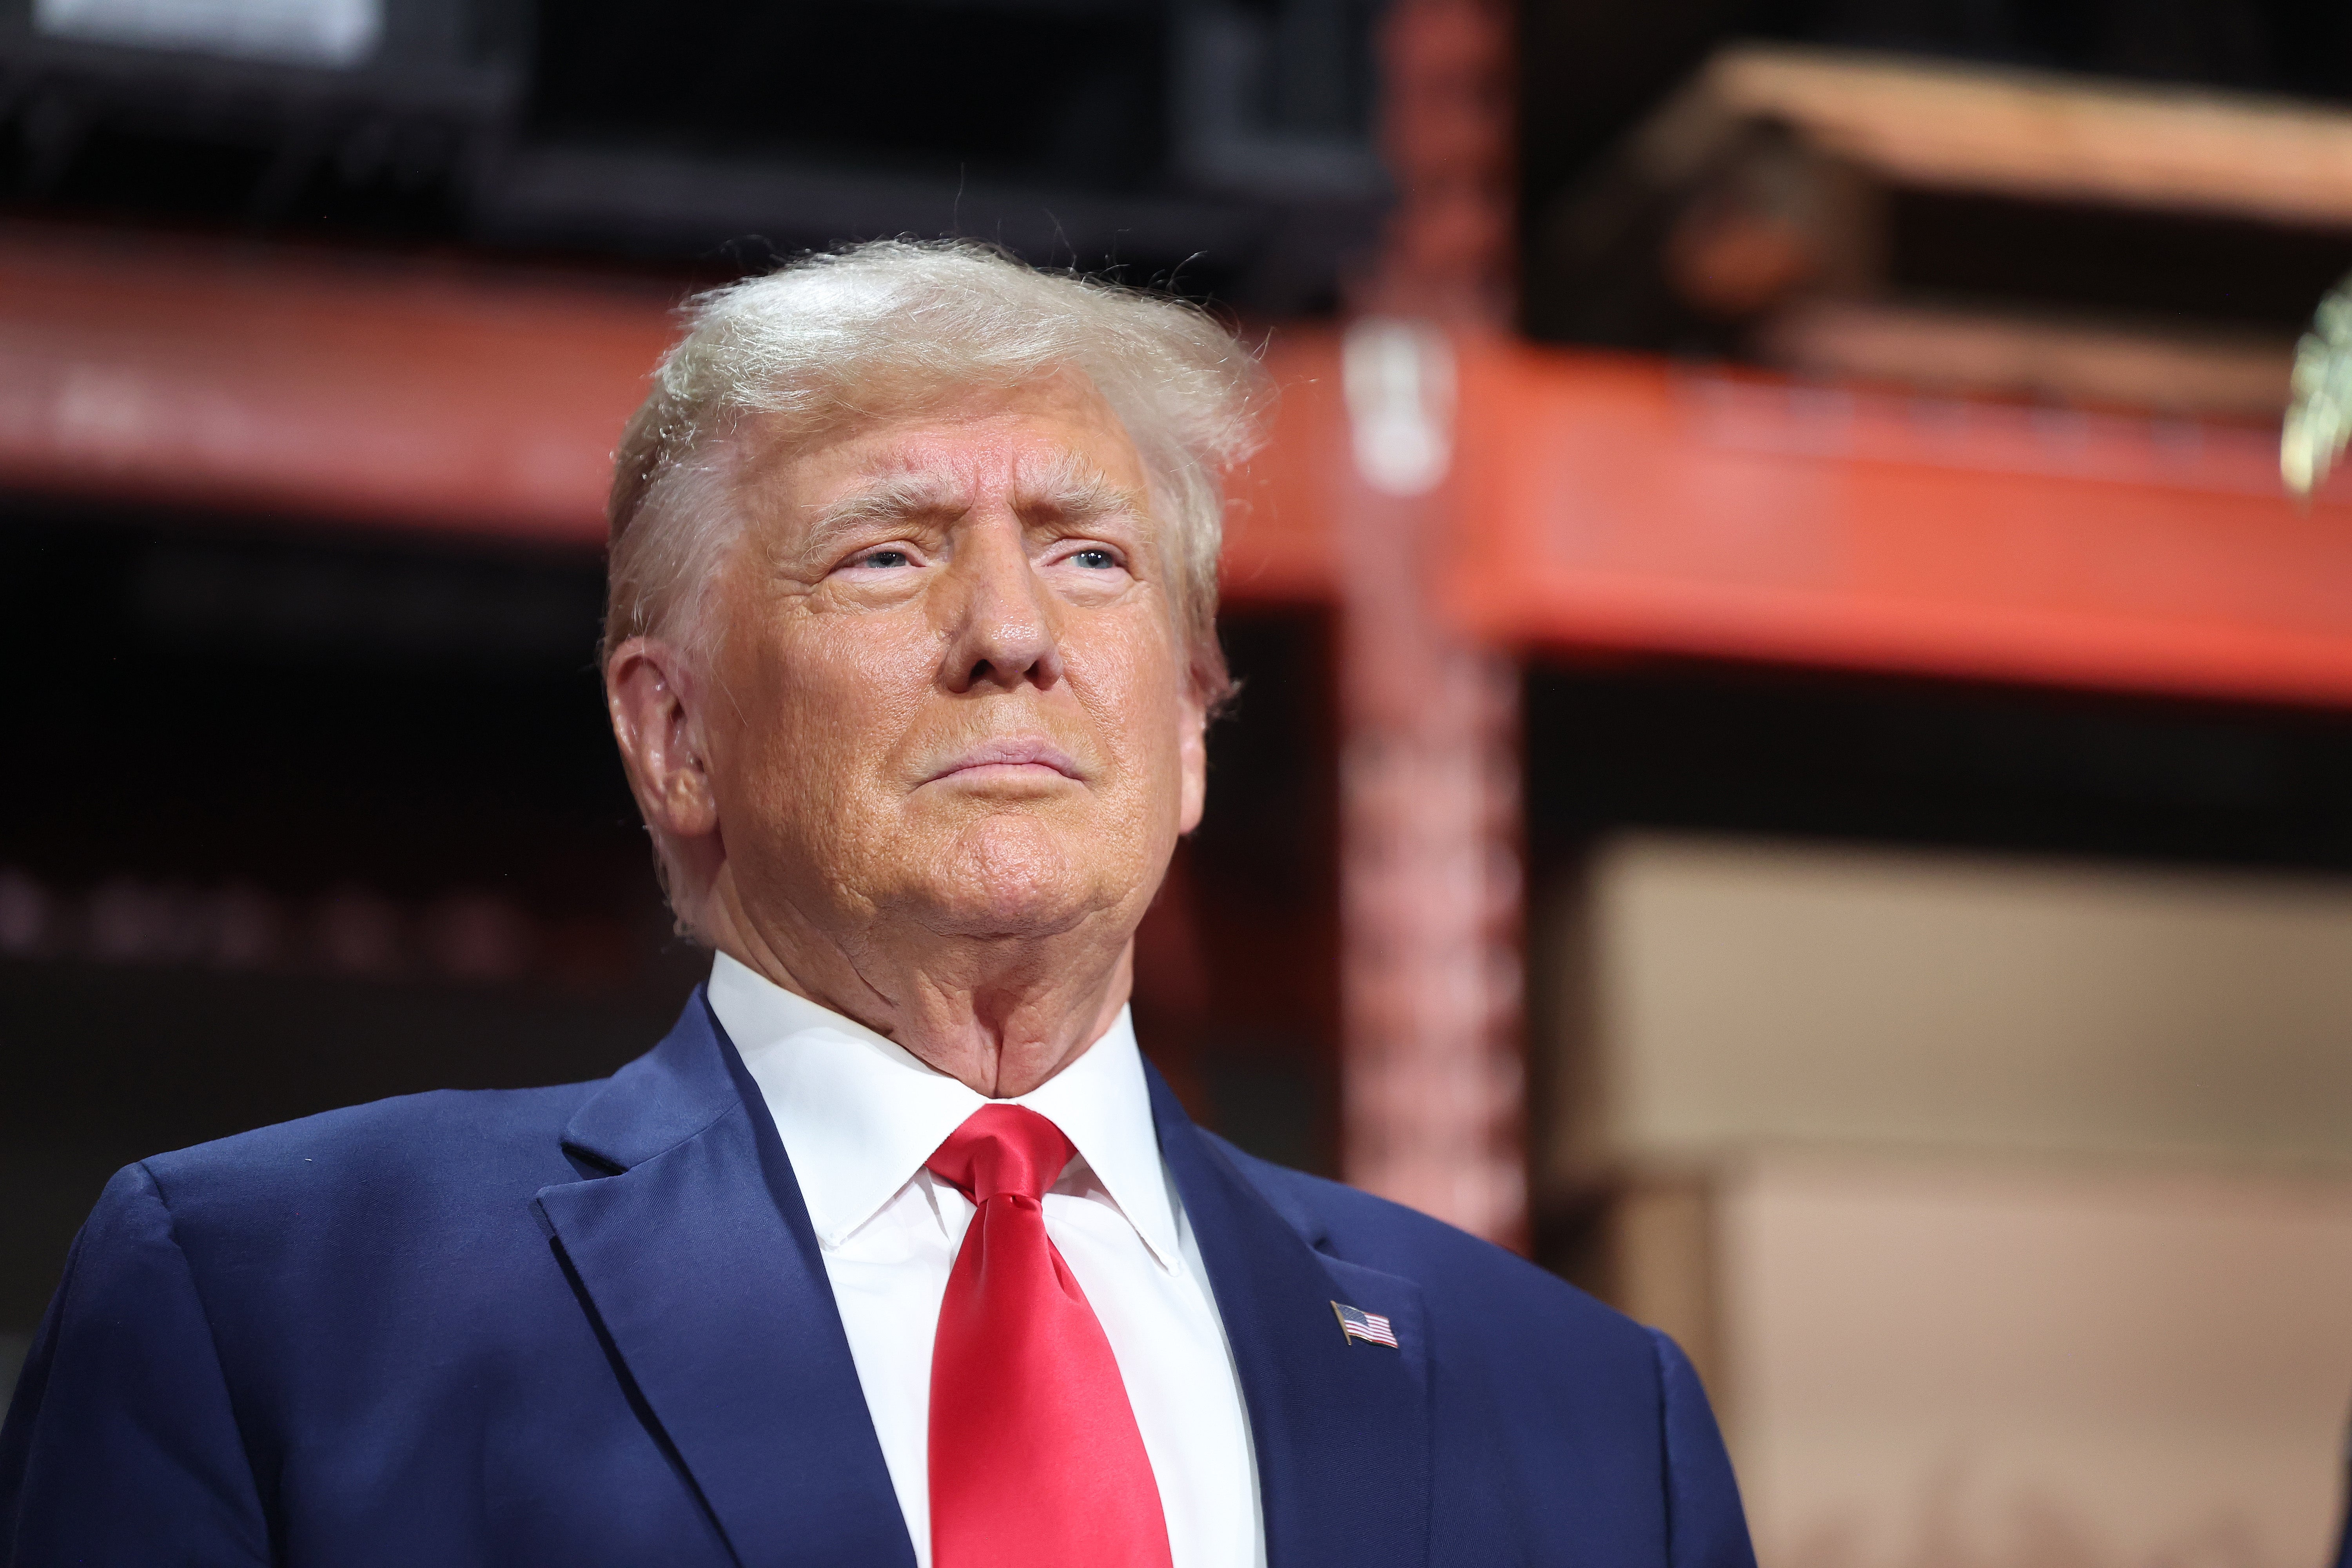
pixel 985 439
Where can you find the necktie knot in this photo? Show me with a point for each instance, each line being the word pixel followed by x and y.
pixel 1002 1150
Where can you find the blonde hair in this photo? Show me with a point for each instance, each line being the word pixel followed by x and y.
pixel 876 328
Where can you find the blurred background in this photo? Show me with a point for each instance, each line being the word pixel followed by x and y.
pixel 1795 762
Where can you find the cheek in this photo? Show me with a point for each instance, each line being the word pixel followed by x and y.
pixel 823 705
pixel 1134 686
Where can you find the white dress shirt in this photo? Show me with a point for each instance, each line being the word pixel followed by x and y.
pixel 858 1116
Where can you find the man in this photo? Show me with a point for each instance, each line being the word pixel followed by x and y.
pixel 893 1252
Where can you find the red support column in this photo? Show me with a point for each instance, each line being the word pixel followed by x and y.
pixel 1432 1100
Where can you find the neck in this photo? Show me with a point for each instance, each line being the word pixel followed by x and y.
pixel 1000 1013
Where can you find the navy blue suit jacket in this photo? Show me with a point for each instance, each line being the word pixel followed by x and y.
pixel 589 1325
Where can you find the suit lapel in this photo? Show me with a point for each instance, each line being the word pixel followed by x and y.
pixel 699 1262
pixel 1341 1429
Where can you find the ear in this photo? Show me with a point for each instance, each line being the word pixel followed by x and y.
pixel 1192 756
pixel 658 720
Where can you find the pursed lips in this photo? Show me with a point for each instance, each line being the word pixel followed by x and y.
pixel 1026 753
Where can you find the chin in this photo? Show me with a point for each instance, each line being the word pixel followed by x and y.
pixel 1013 876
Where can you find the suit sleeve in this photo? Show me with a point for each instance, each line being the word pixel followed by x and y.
pixel 1705 1527
pixel 121 1447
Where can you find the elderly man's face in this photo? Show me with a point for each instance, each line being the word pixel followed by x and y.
pixel 951 686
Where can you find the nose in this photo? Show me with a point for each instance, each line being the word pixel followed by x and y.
pixel 1004 633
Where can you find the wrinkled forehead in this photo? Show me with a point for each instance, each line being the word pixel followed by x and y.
pixel 1049 442
pixel 948 482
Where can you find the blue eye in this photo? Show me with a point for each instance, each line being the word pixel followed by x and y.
pixel 884 558
pixel 1095 560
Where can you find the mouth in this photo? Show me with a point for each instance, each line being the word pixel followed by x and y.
pixel 1015 757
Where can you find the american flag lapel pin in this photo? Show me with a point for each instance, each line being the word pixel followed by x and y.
pixel 1355 1323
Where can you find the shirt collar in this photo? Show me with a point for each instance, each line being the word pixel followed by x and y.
pixel 858 1114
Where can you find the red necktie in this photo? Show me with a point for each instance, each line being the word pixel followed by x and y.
pixel 1035 1458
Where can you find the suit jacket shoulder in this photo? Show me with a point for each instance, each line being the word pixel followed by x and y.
pixel 571 1325
pixel 448 1136
pixel 375 1208
pixel 1544 1383
pixel 448 1146
pixel 1449 1264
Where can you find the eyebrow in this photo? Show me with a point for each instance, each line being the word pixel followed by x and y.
pixel 1069 487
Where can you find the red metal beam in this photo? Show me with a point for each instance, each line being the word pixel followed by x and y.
pixel 1284 517
pixel 333 389
pixel 1598 502
pixel 1623 504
